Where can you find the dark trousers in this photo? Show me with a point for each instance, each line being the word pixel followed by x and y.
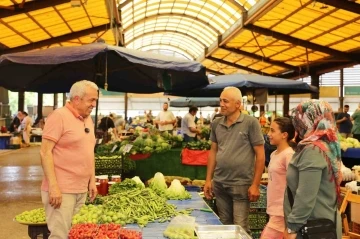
pixel 187 138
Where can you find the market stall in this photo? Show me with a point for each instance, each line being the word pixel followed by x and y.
pixel 350 151
pixel 169 163
pixel 351 157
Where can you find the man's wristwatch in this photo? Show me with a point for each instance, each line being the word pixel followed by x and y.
pixel 291 231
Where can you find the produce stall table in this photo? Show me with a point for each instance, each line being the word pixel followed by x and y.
pixel 155 230
pixel 169 163
pixel 351 157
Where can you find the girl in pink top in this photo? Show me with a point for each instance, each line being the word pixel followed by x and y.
pixel 281 133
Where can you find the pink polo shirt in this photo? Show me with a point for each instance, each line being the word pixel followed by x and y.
pixel 73 152
pixel 277 181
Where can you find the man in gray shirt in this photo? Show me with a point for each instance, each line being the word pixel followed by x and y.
pixel 236 160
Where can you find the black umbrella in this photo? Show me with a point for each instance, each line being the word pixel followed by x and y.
pixel 54 70
pixel 248 83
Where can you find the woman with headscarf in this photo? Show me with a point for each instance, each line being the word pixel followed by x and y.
pixel 313 177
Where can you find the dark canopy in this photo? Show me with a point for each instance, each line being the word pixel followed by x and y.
pixel 54 70
pixel 247 83
pixel 199 102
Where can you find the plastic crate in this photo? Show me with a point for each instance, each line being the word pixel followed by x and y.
pixel 257 220
pixel 262 202
pixel 257 210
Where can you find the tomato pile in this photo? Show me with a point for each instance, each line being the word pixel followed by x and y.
pixel 104 231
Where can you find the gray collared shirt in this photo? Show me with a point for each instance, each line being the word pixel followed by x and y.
pixel 235 158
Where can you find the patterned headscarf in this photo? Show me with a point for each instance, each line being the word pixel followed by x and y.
pixel 315 123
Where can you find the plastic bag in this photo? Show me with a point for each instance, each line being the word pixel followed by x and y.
pixel 181 227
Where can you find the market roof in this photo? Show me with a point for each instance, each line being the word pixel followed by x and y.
pixel 290 39
pixel 185 26
pixel 287 38
pixel 41 24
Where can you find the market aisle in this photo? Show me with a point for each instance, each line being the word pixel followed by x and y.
pixel 20 181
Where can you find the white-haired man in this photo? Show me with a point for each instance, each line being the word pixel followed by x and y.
pixel 67 158
pixel 236 160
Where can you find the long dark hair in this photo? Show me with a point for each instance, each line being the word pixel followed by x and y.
pixel 285 125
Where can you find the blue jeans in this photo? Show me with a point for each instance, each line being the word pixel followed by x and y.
pixel 233 204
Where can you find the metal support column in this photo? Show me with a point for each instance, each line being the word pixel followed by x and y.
pixel 64 99
pixel 40 107
pixel 341 98
pixel 126 105
pixel 315 81
pixel 286 105
pixel 21 100
pixel 55 101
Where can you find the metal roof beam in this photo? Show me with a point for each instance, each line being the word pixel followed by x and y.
pixel 30 6
pixel 299 42
pixel 319 70
pixel 214 72
pixel 237 66
pixel 124 4
pixel 260 58
pixel 63 38
pixel 343 4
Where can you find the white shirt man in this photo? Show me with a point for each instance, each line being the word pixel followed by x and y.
pixel 213 114
pixel 188 126
pixel 165 119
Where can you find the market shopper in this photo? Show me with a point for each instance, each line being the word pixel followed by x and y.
pixel 216 111
pixel 15 123
pixel 67 158
pixel 26 123
pixel 313 176
pixel 344 121
pixel 188 126
pixel 106 123
pixel 262 119
pixel 281 133
pixel 356 127
pixel 165 119
pixel 236 160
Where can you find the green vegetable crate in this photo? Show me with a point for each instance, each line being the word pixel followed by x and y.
pixel 257 216
pixel 112 165
pixel 257 221
pixel 262 202
pixel 256 234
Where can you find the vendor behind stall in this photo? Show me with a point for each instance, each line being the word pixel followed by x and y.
pixel 165 119
pixel 188 126
pixel 106 123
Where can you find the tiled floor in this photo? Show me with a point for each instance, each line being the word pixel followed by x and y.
pixel 20 180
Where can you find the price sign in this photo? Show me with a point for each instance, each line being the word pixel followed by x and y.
pixel 113 149
pixel 127 148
